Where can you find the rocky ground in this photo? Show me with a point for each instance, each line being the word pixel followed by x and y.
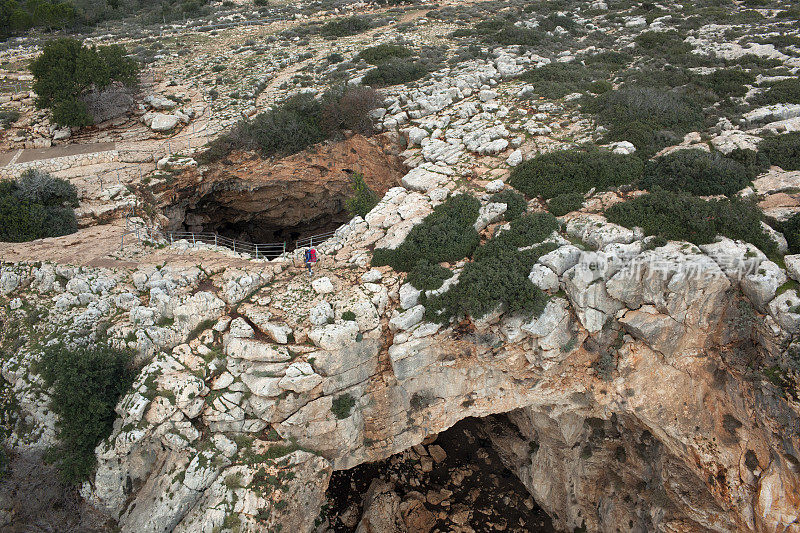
pixel 641 399
pixel 456 482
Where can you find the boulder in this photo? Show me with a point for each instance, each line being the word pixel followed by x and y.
pixel 162 122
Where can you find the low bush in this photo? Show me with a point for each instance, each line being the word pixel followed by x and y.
pixel 782 150
pixel 683 217
pixel 346 26
pixel 87 383
pixel 363 199
pixel 499 275
pixel 565 203
pixel 755 162
pixel 662 43
pixel 780 92
pixel 427 276
pixel 525 231
pixel 36 206
pixel 384 52
pixel 548 175
pixel 609 58
pixel 342 406
pixel 557 80
pixel 515 203
pixel 8 117
pixel 39 187
pixel 649 118
pixel 349 316
pixel 791 230
pixel 697 172
pixel 299 122
pixel 446 235
pixel 503 31
pixel 394 72
pixel 727 82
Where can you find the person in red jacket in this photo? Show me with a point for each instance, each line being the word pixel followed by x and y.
pixel 311 260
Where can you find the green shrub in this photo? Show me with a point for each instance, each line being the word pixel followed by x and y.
pixel 363 199
pixel 36 206
pixel 791 230
pixel 346 26
pixel 525 231
pixel 87 383
pixel 343 405
pixel 782 150
pixel 8 117
pixel 756 162
pixel 427 276
pixel 609 58
pixel 565 203
pixel 394 72
pixel 504 32
pixel 446 235
pixel 697 172
pixel 683 217
pixel 780 92
pixel 548 175
pixel 556 80
pixel 728 82
pixel 349 316
pixel 299 122
pixel 384 52
pixel 515 203
pixel 662 44
pixel 649 118
pixel 39 187
pixel 66 69
pixel 498 276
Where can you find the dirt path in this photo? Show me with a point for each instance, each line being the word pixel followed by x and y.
pixel 39 154
pixel 101 247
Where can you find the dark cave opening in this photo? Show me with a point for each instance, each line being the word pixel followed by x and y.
pixel 265 232
pixel 467 487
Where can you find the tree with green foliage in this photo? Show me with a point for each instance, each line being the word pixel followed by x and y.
pixel 86 385
pixel 363 199
pixel 66 70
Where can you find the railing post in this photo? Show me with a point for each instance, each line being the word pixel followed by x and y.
pixel 234 245
pixel 284 248
pixel 215 239
pixel 256 251
pixel 193 239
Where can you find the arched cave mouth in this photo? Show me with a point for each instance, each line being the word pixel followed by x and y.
pixel 466 486
pixel 257 229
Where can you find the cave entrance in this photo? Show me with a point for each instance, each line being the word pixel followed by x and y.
pixel 259 231
pixel 454 481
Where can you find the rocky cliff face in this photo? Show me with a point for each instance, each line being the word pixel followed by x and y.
pixel 271 199
pixel 640 399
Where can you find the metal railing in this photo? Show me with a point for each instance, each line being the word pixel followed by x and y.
pixel 309 241
pixel 258 251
